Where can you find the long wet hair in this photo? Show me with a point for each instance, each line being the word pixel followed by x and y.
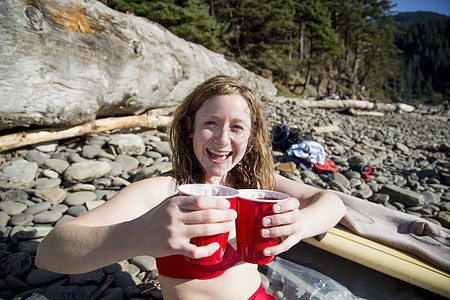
pixel 255 170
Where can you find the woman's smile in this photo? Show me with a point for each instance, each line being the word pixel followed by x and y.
pixel 219 156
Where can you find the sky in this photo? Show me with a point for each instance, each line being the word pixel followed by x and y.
pixel 438 6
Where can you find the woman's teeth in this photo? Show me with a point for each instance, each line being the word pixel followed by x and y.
pixel 219 154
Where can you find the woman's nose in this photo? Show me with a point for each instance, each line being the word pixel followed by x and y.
pixel 222 136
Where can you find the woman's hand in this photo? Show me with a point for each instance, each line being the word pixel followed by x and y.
pixel 170 225
pixel 285 223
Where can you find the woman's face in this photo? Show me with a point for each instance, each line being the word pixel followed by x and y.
pixel 222 128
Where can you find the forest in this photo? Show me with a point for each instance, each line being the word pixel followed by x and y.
pixel 358 49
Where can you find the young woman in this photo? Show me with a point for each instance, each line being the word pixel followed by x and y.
pixel 218 136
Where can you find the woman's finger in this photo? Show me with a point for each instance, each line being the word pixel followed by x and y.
pixel 279 231
pixel 282 219
pixel 208 216
pixel 195 230
pixel 282 247
pixel 284 206
pixel 201 251
pixel 201 202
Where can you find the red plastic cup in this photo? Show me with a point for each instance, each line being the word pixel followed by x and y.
pixel 252 206
pixel 213 191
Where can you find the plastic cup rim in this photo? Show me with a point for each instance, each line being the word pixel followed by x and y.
pixel 285 196
pixel 211 185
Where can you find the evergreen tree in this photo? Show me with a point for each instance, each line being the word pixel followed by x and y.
pixel 189 19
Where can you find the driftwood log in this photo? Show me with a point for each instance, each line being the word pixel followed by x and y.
pixel 67 62
pixel 21 139
pixel 348 104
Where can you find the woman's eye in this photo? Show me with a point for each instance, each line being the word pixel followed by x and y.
pixel 238 127
pixel 210 123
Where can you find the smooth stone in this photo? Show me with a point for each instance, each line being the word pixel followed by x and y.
pixel 17 264
pixel 444 218
pixel 64 219
pixel 129 144
pixel 132 269
pixel 144 263
pixel 113 294
pixel 116 168
pixel 12 208
pixel 336 185
pixel 21 219
pixel 16 196
pixel 79 198
pixel 76 158
pixel 76 211
pixel 430 198
pixel 82 187
pixel 402 195
pixel 57 165
pixel 46 217
pixel 127 162
pixel 90 205
pixel 90 152
pixel 33 232
pixel 403 148
pixel 153 154
pixel 86 171
pixel 124 279
pixel 363 193
pixel 102 183
pixel 155 169
pixel 4 219
pixel 92 277
pixel 354 182
pixel 41 277
pixel 37 157
pixel 50 173
pixel 106 155
pixel 29 246
pixel 16 283
pixel 62 208
pixel 47 183
pixel 46 146
pixel 18 174
pixel 53 195
pixel 37 208
pixel 379 198
pixel 163 148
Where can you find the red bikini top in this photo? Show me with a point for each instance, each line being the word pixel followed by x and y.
pixel 177 266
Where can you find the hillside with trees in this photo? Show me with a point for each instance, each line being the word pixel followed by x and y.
pixel 354 48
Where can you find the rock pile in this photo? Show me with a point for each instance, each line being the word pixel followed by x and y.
pixel 48 184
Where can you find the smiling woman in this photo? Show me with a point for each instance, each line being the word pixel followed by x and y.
pixel 217 136
pixel 255 170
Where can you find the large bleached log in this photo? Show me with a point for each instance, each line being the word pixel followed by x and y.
pixel 67 62
pixel 347 104
pixel 21 139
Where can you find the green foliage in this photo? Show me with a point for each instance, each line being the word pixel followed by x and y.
pixel 189 19
pixel 352 43
pixel 424 40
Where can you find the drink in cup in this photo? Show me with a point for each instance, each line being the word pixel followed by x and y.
pixel 252 206
pixel 212 191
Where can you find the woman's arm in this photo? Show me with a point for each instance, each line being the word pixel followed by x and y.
pixel 142 219
pixel 309 212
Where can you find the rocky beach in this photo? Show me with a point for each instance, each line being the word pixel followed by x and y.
pixel 399 160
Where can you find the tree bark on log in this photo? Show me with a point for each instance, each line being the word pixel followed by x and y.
pixel 21 139
pixel 68 62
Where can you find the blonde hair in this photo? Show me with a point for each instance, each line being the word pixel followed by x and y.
pixel 256 169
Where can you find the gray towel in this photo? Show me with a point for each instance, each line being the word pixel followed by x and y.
pixel 398 230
